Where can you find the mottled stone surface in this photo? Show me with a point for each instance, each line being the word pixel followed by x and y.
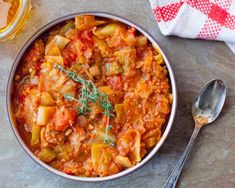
pixel 212 161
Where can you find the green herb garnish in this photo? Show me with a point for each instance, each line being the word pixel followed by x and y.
pixel 107 139
pixel 89 93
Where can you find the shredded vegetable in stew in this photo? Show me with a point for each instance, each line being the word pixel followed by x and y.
pixel 91 98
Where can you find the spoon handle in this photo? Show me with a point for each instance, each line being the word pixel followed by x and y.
pixel 173 178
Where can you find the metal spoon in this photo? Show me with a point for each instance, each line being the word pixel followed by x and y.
pixel 205 109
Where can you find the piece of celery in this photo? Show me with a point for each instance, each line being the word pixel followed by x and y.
pixel 46 155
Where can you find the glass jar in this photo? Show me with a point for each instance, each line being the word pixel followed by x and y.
pixel 13 14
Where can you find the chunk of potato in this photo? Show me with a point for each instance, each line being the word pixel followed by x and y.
pixel 94 70
pixel 124 161
pixel 57 41
pixel 44 114
pixel 54 59
pixel 54 52
pixel 46 99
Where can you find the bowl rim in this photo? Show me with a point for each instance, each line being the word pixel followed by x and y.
pixel 45 28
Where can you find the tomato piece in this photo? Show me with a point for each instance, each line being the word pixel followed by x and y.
pixel 37 65
pixel 69 56
pixel 68 171
pixel 132 31
pixel 116 82
pixel 63 118
pixel 83 47
pixel 90 39
pixel 79 35
pixel 21 98
pixel 86 37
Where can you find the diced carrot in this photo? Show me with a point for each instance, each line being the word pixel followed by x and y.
pixel 63 119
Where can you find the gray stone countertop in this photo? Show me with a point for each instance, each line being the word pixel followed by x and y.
pixel 212 161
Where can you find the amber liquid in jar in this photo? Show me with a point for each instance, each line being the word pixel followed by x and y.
pixel 12 17
pixel 8 9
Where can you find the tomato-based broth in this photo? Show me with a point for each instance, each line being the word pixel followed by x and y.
pixel 91 97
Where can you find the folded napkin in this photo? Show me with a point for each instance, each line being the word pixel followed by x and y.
pixel 198 19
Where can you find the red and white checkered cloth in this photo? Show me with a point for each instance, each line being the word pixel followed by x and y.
pixel 198 19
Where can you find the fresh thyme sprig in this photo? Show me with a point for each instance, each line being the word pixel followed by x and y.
pixel 89 93
pixel 70 97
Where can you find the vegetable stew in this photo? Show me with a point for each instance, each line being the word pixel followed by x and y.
pixel 91 97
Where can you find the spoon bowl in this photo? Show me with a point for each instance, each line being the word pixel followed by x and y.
pixel 209 102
